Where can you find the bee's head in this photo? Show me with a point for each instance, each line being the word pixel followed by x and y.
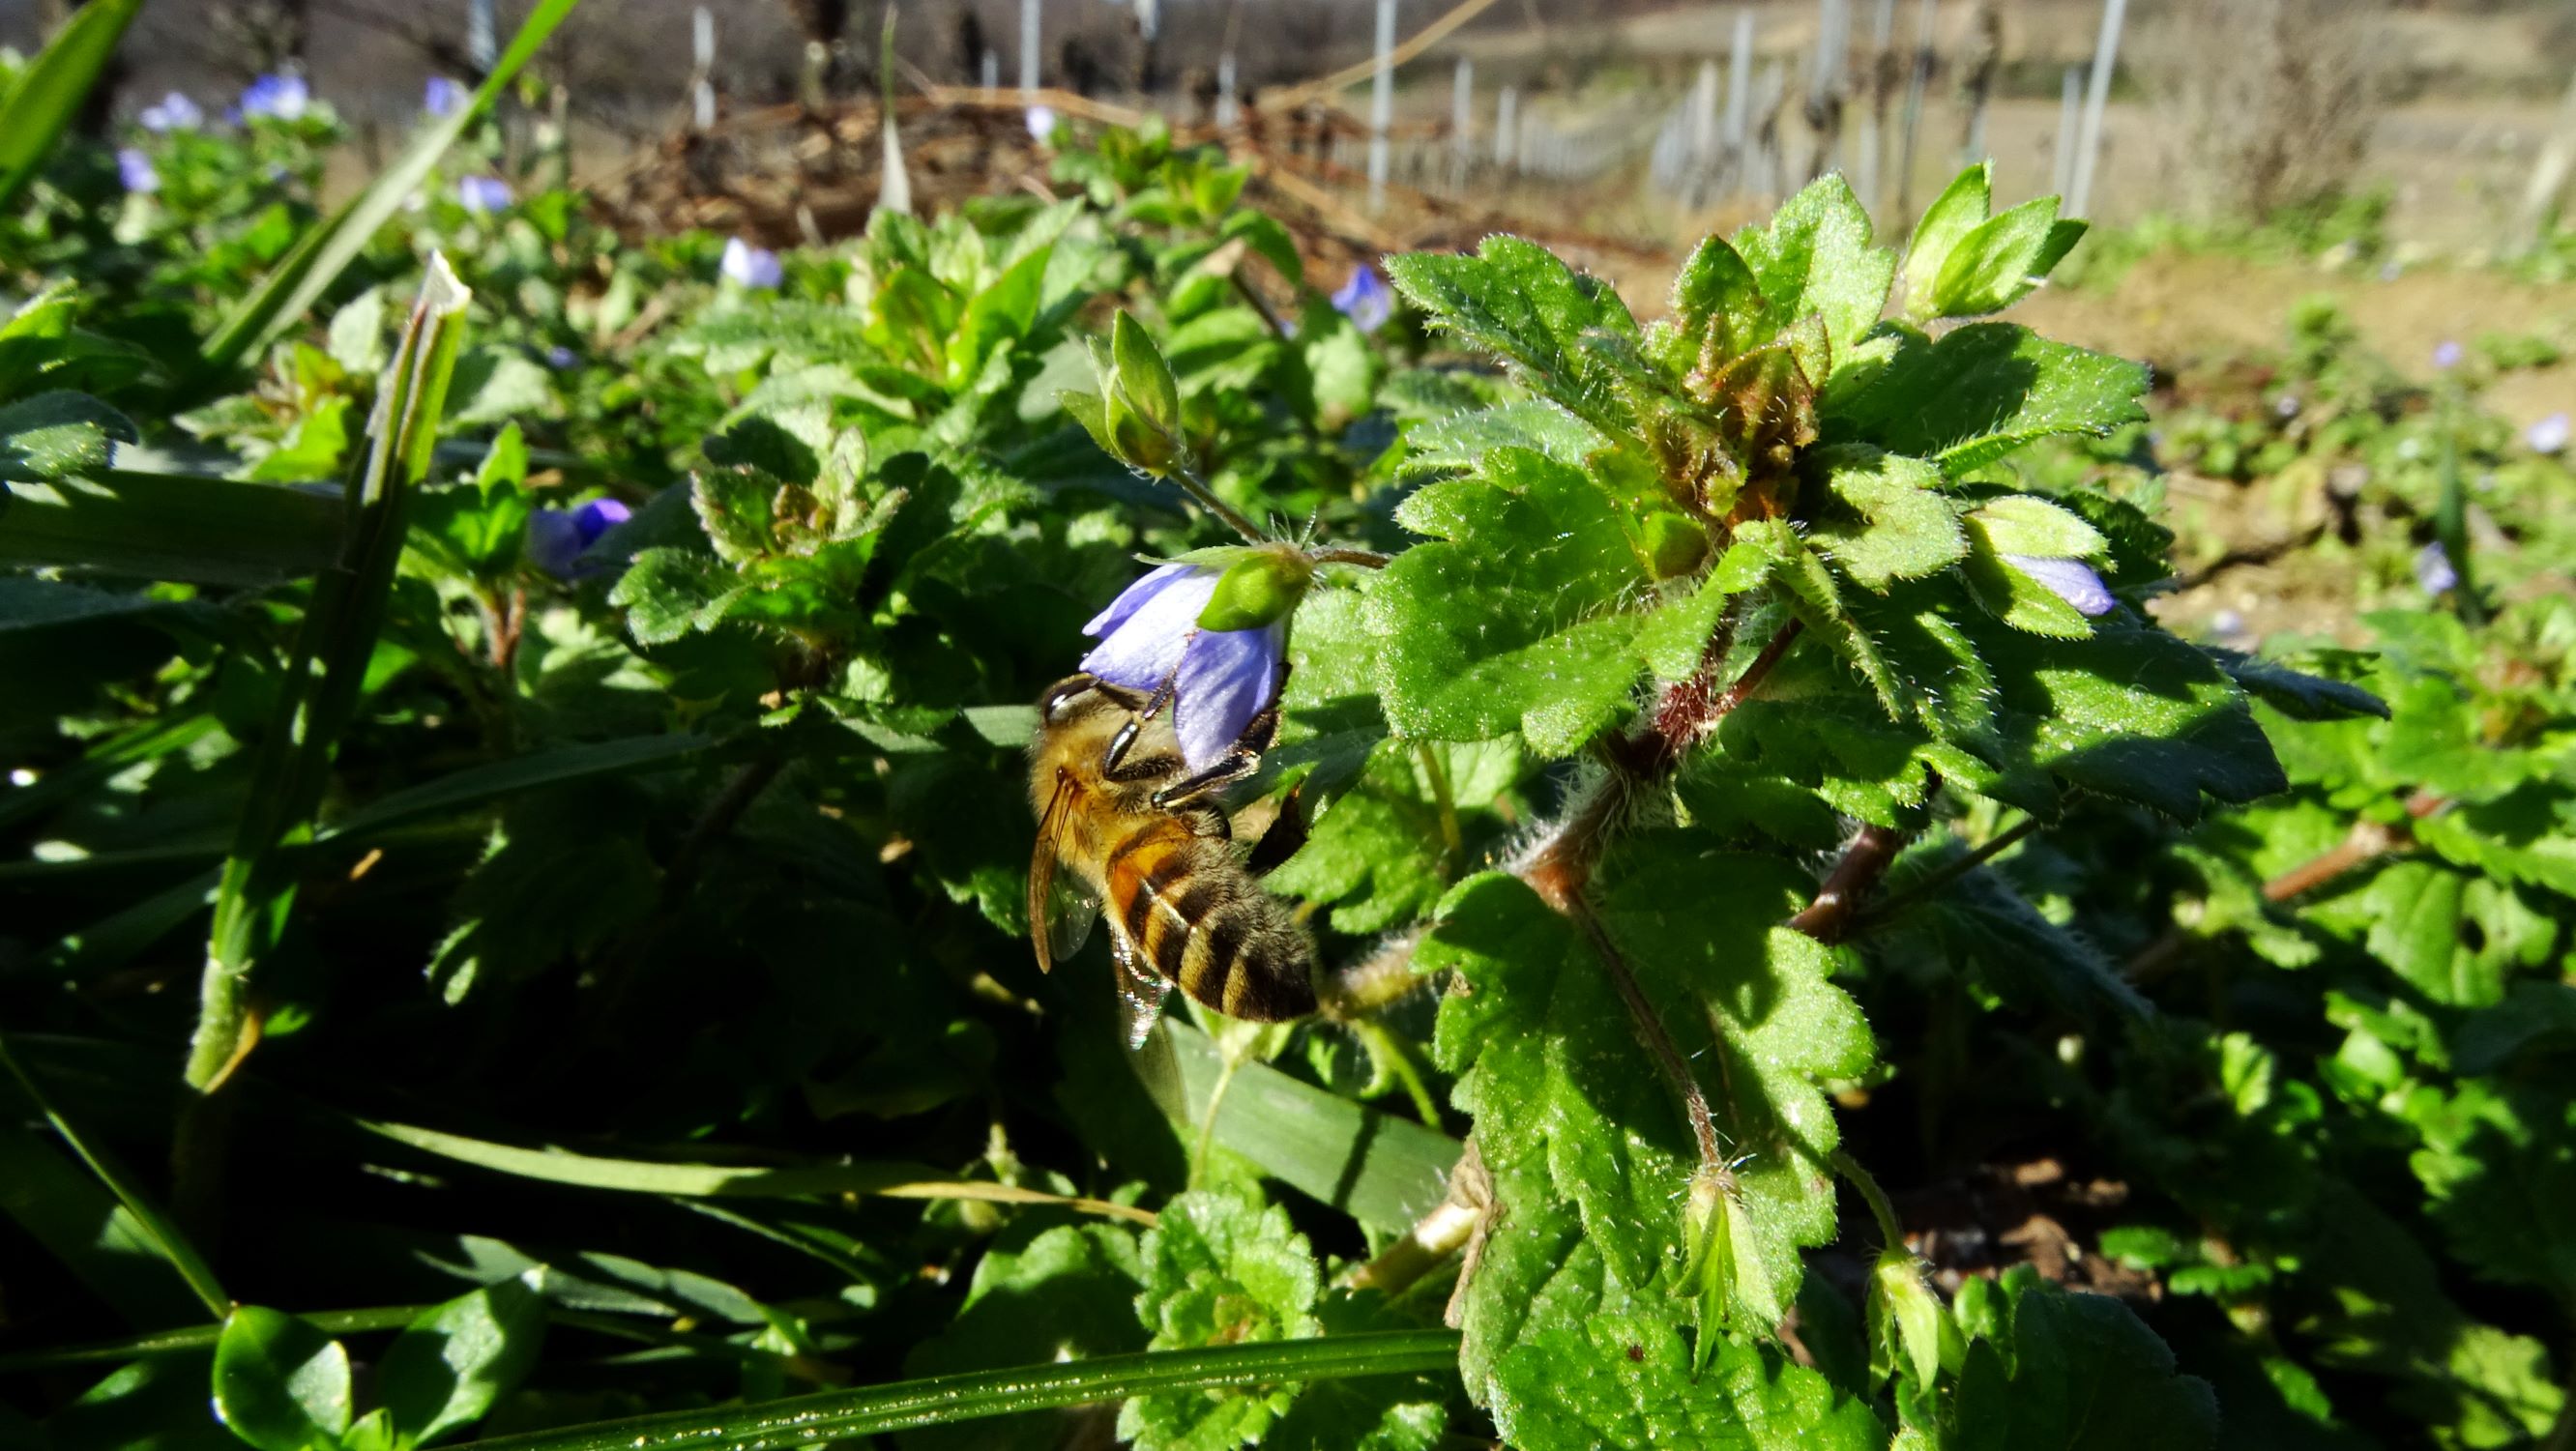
pixel 1078 696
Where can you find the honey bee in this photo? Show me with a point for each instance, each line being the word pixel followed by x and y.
pixel 1122 822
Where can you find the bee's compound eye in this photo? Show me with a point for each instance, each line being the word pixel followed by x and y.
pixel 1060 704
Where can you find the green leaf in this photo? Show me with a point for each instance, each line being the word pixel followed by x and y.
pixel 2026 524
pixel 280 1383
pixel 447 1368
pixel 1815 257
pixel 1220 1269
pixel 1718 312
pixel 1980 393
pixel 2066 1370
pixel 669 593
pixel 52 88
pixel 1384 1171
pixel 1962 207
pixel 1062 1294
pixel 326 251
pixel 173 527
pixel 1517 301
pixel 1884 520
pixel 2296 694
pixel 2000 261
pixel 1534 610
pixel 1627 1380
pixel 2499 1164
pixel 1388 849
pixel 2132 713
pixel 2014 597
pixel 58 434
pixel 1567 1115
pixel 1143 375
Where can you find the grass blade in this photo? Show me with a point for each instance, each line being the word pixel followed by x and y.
pixel 156 1229
pixel 1384 1171
pixel 817 1419
pixel 50 91
pixel 321 688
pixel 693 1181
pixel 326 251
pixel 173 526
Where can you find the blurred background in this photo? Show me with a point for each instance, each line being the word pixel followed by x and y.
pixel 2407 158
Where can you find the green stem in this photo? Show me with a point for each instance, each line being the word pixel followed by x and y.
pixel 1442 796
pixel 1197 488
pixel 1890 1229
pixel 819 1419
pixel 1950 871
pixel 1393 1051
pixel 2451 519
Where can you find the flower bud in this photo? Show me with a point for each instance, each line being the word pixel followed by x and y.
pixel 1262 588
pixel 1909 1331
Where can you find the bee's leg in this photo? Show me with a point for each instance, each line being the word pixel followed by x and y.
pixel 1125 740
pixel 1287 833
pixel 1240 760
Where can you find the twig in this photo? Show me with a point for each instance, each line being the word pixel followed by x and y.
pixel 1351 75
pixel 1650 1030
pixel 1863 862
pixel 2367 841
pixel 1950 871
pixel 1435 1237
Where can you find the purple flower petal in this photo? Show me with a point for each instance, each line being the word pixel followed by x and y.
pixel 2069 579
pixel 2549 435
pixel 1042 124
pixel 751 266
pixel 284 97
pixel 135 170
pixel 174 112
pixel 1133 597
pixel 1365 300
pixel 598 517
pixel 1225 679
pixel 2447 356
pixel 442 96
pixel 2433 570
pixel 481 194
pixel 1145 648
pixel 559 540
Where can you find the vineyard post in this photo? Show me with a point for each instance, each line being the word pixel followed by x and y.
pixel 1703 130
pixel 2070 104
pixel 1029 49
pixel 2088 151
pixel 482 43
pixel 1873 122
pixel 702 55
pixel 2549 173
pixel 1739 98
pixel 989 71
pixel 1462 120
pixel 1228 109
pixel 1507 128
pixel 1825 85
pixel 1381 105
pixel 1916 85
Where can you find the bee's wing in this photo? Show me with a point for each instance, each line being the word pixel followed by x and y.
pixel 1061 907
pixel 1141 991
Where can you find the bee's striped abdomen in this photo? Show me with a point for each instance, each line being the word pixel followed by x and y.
pixel 1191 917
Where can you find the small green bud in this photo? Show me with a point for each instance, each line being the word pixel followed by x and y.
pixel 1909 1331
pixel 1674 544
pixel 1262 588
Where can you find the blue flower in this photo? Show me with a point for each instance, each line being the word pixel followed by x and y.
pixel 2433 570
pixel 1365 300
pixel 2071 580
pixel 751 266
pixel 174 112
pixel 2549 435
pixel 2448 355
pixel 561 358
pixel 1042 124
pixel 559 540
pixel 1220 679
pixel 442 97
pixel 135 170
pixel 282 97
pixel 482 194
